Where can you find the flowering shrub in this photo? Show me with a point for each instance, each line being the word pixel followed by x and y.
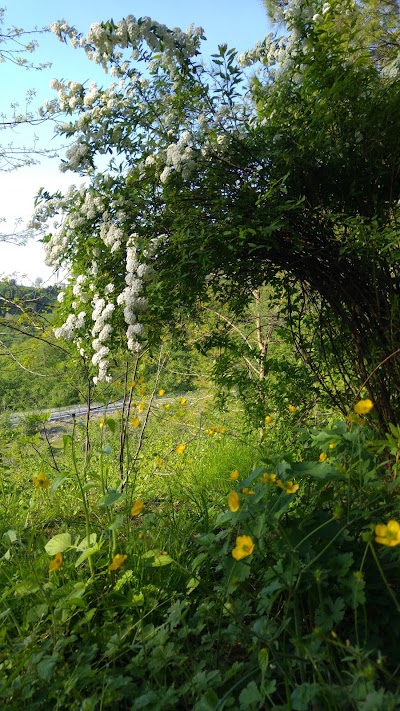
pixel 211 188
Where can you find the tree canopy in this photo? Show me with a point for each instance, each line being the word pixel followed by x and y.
pixel 280 166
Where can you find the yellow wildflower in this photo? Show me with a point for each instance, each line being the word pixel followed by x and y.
pixel 117 383
pixel 135 422
pixel 233 501
pixel 167 406
pixel 183 401
pixel 323 456
pixel 102 422
pixel 332 445
pixel 247 492
pixel 288 486
pixel 268 419
pixel 222 430
pixel 141 406
pixel 137 507
pixel 56 563
pixel 363 407
pixel 388 534
pixel 40 481
pixel 180 448
pixel 268 478
pixel 141 380
pixel 161 393
pixel 132 384
pixel 158 461
pixel 143 390
pixel 234 475
pixel 292 409
pixel 244 547
pixel 117 561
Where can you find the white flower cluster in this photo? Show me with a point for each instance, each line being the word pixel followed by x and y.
pixel 110 233
pixel 101 331
pixel 69 328
pixel 181 157
pixel 78 289
pixel 78 157
pixel 102 42
pixel 131 297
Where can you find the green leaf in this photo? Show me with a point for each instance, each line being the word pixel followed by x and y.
pixel 250 696
pixel 303 696
pixel 109 499
pixel 88 553
pixel 57 482
pixel 11 534
pixel 157 558
pixel 85 543
pixel 322 471
pixel 117 523
pixel 192 585
pixel 110 423
pixel 46 666
pixel 90 485
pixel 58 543
pixel 263 658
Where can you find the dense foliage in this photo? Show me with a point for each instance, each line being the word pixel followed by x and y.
pixel 278 166
pixel 172 554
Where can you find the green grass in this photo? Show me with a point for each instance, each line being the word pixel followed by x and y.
pixel 299 622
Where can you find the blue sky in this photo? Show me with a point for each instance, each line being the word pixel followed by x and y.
pixel 239 23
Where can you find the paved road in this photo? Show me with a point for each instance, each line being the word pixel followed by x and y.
pixel 68 413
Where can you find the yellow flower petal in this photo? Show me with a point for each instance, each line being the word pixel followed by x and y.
pixel 292 409
pixel 233 476
pixel 323 456
pixel 56 563
pixel 137 508
pixel 244 547
pixel 388 535
pixel 268 419
pixel 363 407
pixel 233 501
pixel 40 481
pixel 135 422
pixel 180 448
pixel 117 561
pixel 161 393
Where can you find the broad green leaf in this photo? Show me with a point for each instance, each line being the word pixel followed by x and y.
pixel 322 471
pixel 85 543
pixel 110 423
pixel 159 559
pixel 46 666
pixel 88 553
pixel 58 543
pixel 250 697
pixel 109 499
pixel 28 587
pixel 11 534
